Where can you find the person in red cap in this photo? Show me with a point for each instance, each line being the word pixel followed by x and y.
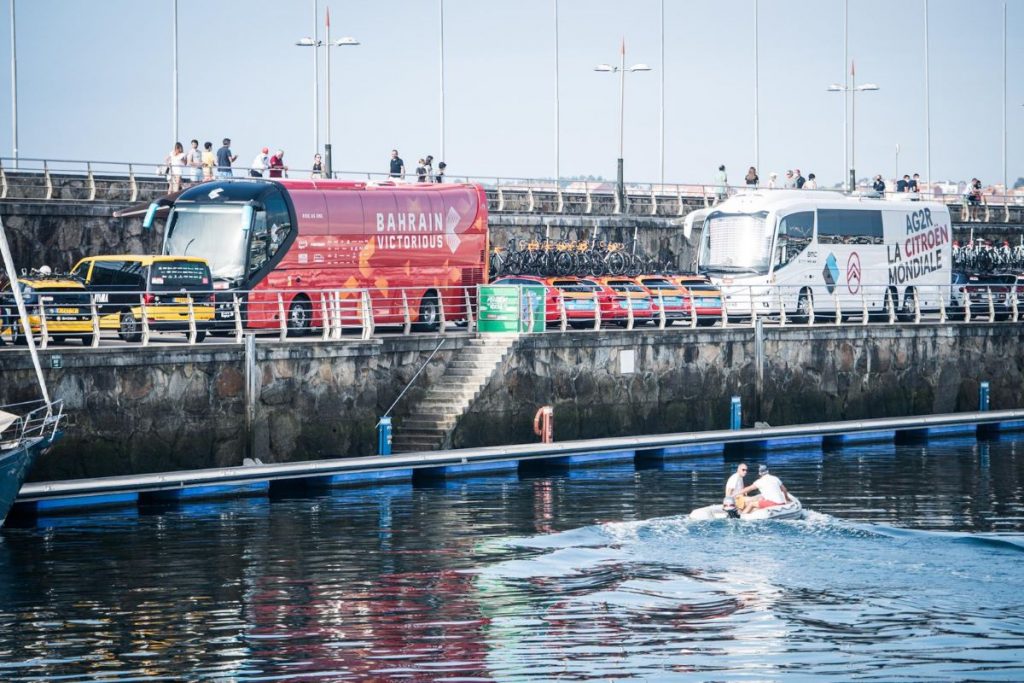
pixel 259 164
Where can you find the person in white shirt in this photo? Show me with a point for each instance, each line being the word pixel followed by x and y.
pixel 773 491
pixel 734 486
pixel 259 164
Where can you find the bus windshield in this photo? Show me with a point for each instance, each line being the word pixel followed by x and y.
pixel 735 243
pixel 214 233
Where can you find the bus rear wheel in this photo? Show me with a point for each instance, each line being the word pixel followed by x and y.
pixel 430 314
pixel 300 317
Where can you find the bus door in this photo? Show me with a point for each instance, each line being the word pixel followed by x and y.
pixel 794 260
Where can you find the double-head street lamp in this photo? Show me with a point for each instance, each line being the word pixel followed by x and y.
pixel 326 43
pixel 853 89
pixel 621 70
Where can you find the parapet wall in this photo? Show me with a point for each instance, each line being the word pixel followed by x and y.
pixel 154 409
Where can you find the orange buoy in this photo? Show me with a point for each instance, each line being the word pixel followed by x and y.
pixel 544 424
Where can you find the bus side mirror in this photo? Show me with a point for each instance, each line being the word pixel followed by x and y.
pixel 247 213
pixel 147 222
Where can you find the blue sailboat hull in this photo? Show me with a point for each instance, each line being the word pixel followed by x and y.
pixel 14 466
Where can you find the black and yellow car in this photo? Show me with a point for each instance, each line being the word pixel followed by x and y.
pixel 61 301
pixel 122 283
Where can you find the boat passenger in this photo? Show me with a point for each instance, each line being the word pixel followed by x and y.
pixel 773 491
pixel 734 487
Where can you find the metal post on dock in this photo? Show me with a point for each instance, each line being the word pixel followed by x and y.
pixel 384 436
pixel 983 397
pixel 759 368
pixel 735 413
pixel 252 381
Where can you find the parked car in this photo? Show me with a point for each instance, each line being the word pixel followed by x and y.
pixel 581 298
pixel 630 294
pixel 671 295
pixel 122 283
pixel 707 297
pixel 978 291
pixel 59 299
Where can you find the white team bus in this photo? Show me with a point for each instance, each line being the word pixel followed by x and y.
pixel 816 251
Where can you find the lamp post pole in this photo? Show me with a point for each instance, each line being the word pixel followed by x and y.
pixel 620 187
pixel 14 88
pixel 852 90
pixel 327 44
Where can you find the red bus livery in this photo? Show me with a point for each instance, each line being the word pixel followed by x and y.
pixel 302 237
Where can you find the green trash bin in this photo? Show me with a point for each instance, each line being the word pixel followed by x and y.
pixel 507 309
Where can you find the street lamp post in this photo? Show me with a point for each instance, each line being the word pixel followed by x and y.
pixel 621 70
pixel 853 89
pixel 327 43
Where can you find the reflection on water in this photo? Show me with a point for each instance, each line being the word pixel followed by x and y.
pixel 908 567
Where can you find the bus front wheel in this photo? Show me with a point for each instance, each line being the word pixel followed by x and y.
pixel 300 317
pixel 430 314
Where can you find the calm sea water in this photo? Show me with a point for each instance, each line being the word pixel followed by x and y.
pixel 909 567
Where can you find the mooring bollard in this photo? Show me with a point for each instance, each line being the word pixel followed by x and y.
pixel 983 396
pixel 735 413
pixel 384 436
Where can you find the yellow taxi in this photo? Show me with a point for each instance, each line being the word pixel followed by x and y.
pixel 59 301
pixel 121 283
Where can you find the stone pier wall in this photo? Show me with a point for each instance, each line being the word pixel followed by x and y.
pixel 136 410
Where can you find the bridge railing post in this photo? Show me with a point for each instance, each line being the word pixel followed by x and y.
pixel 597 310
pixel 133 184
pixel 94 314
pixel 144 322
pixel 43 329
pixel 282 319
pixel 327 325
pixel 236 306
pixel 563 322
pixel 661 311
pixel 440 309
pixel 3 181
pixel 47 180
pixel 193 330
pixel 470 321
pixel 91 180
pixel 406 316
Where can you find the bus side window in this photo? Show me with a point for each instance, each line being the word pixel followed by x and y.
pixel 795 232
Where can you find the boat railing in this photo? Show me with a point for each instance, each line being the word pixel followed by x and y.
pixel 41 421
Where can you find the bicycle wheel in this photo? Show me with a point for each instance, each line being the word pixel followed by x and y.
pixel 563 263
pixel 615 262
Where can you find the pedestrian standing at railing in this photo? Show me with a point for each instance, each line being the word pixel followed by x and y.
pixel 194 161
pixel 397 166
pixel 428 165
pixel 175 165
pixel 812 182
pixel 225 158
pixel 421 171
pixel 276 166
pixel 318 166
pixel 209 160
pixel 721 184
pixel 259 163
pixel 790 182
pixel 879 185
pixel 773 180
pixel 751 178
pixel 903 184
pixel 915 185
pixel 439 178
pixel 798 179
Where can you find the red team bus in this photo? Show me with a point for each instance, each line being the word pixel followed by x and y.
pixel 301 237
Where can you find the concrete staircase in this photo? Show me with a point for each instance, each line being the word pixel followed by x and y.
pixel 429 423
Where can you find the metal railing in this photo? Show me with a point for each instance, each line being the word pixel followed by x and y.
pixel 346 315
pixel 76 180
pixel 41 420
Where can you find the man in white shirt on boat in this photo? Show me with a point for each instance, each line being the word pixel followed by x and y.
pixel 773 491
pixel 734 487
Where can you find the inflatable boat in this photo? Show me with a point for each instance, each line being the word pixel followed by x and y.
pixel 791 510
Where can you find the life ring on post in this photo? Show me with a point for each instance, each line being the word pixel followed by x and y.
pixel 544 424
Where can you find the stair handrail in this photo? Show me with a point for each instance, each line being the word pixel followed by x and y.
pixel 429 358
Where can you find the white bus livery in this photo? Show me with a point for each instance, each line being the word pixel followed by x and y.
pixel 819 250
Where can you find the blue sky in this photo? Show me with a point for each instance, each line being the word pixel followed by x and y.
pixel 94 82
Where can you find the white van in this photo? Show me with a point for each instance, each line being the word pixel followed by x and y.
pixel 825 251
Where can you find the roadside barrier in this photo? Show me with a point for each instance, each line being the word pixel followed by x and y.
pixel 341 315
